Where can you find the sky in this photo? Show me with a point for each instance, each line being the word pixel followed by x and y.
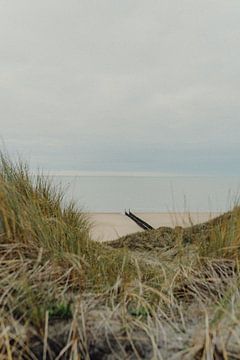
pixel 130 85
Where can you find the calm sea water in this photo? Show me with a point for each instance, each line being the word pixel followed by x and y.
pixel 151 193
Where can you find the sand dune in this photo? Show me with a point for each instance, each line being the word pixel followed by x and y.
pixel 110 226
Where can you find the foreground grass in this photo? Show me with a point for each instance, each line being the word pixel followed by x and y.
pixel 162 294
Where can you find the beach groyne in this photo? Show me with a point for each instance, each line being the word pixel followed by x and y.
pixel 140 222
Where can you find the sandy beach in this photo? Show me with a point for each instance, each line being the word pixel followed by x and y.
pixel 110 226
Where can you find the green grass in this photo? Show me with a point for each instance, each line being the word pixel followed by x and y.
pixel 61 292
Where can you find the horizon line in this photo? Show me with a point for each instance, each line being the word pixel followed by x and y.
pixel 72 173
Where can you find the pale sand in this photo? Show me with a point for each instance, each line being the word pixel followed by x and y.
pixel 176 219
pixel 110 226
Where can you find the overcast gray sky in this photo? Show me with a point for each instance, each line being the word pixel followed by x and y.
pixel 126 85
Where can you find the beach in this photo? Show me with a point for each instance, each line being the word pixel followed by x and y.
pixel 108 226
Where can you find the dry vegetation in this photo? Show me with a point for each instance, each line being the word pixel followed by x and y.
pixel 161 294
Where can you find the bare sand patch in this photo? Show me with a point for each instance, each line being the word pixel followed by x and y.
pixel 111 226
pixel 176 218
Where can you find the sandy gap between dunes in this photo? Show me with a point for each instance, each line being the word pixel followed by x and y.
pixel 110 226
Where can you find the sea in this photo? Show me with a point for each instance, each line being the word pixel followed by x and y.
pixel 110 192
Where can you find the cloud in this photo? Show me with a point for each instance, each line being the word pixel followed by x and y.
pixel 132 84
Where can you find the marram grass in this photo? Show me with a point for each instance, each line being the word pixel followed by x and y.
pixel 162 294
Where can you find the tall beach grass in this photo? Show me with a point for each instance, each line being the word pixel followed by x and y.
pixel 162 294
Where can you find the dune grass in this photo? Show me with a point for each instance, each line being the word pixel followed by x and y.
pixel 162 294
